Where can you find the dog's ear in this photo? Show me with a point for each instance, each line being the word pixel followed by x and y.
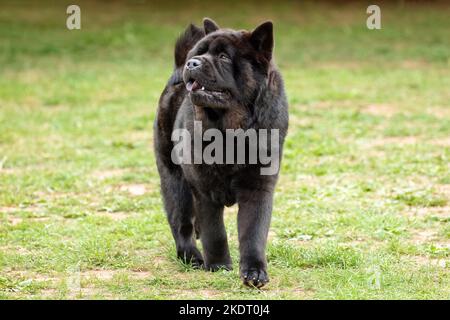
pixel 262 39
pixel 186 42
pixel 210 25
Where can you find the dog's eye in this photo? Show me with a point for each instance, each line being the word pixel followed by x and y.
pixel 224 57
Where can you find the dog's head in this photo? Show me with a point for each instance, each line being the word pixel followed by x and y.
pixel 226 67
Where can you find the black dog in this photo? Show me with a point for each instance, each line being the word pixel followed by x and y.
pixel 225 79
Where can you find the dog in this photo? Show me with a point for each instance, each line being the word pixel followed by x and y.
pixel 223 80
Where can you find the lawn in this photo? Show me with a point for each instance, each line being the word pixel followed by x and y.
pixel 362 207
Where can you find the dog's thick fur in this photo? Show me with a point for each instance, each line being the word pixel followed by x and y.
pixel 243 89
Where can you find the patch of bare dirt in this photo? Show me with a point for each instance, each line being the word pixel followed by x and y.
pixel 14 220
pixel 443 212
pixel 423 236
pixel 98 274
pixel 408 140
pixel 8 209
pixel 48 293
pixel 116 216
pixel 430 237
pixel 89 292
pixel 439 112
pixel 297 121
pixel 141 275
pixel 440 211
pixel 385 110
pixel 216 293
pixel 426 261
pixel 206 293
pixel 27 275
pixel 444 189
pixel 443 142
pixel 134 189
pixel 105 174
pixel 414 64
pixel 109 274
pixel 150 256
pixel 7 171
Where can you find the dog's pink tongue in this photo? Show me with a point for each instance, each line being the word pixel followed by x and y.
pixel 195 86
pixel 192 86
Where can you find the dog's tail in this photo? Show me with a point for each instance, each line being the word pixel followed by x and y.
pixel 186 42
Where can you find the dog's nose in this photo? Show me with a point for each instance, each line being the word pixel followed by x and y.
pixel 193 64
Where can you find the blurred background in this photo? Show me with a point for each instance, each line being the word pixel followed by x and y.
pixel 361 209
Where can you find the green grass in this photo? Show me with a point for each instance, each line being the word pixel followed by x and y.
pixel 362 205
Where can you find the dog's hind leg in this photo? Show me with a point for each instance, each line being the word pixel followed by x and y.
pixel 177 198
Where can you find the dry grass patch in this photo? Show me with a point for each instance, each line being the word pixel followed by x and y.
pixel 106 174
pixel 427 261
pixel 15 220
pixel 444 189
pixel 8 209
pixel 408 140
pixel 423 236
pixel 443 142
pixel 27 275
pixel 414 64
pixel 385 110
pixel 105 274
pixel 6 171
pixel 300 121
pixel 116 216
pixel 442 212
pixel 429 237
pixel 134 189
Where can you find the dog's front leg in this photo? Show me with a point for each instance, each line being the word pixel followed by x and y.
pixel 209 218
pixel 255 210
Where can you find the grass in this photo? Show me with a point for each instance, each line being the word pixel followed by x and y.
pixel 362 205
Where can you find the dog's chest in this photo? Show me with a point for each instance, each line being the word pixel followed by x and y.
pixel 233 118
pixel 216 182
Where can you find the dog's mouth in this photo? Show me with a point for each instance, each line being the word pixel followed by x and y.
pixel 194 85
pixel 204 94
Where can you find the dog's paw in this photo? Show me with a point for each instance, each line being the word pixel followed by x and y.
pixel 191 256
pixel 254 277
pixel 213 267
